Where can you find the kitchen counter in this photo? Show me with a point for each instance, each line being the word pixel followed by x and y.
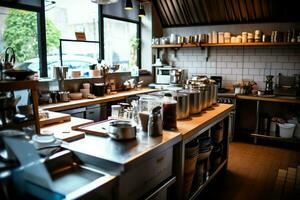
pixel 123 158
pixel 189 127
pixel 279 99
pixel 87 102
pixel 121 155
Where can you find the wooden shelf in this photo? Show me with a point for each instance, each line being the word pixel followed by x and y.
pixel 274 138
pixel 201 187
pixel 166 46
pixel 18 125
pixel 191 45
pixel 252 44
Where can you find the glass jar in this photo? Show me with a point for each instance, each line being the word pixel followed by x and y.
pixel 169 112
pixel 145 106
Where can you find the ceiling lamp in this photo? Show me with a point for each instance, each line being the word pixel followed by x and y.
pixel 128 5
pixel 104 2
pixel 141 11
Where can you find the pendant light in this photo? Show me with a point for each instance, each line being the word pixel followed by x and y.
pixel 128 5
pixel 141 11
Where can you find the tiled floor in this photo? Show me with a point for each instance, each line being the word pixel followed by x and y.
pixel 252 171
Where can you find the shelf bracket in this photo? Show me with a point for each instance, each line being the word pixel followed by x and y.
pixel 206 53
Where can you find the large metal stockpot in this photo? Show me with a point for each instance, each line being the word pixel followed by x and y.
pixel 194 99
pixel 206 96
pixel 214 92
pixel 183 104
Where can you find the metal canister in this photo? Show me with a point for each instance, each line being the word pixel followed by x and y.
pixel 194 100
pixel 205 100
pixel 183 105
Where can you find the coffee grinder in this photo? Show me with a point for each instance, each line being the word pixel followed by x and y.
pixel 269 85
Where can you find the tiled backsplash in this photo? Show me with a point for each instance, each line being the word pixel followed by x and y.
pixel 237 63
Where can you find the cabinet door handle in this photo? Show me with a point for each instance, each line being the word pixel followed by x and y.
pixel 160 159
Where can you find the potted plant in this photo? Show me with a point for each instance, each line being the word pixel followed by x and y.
pixel 134 43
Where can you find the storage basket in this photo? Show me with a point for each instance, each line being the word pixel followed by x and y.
pixel 286 130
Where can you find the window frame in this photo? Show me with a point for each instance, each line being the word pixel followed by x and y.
pixel 41 30
pixel 138 34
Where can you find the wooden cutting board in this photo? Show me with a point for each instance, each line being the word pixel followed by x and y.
pixel 97 128
pixel 55 117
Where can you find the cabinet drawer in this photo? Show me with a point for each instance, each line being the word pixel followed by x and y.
pixel 144 177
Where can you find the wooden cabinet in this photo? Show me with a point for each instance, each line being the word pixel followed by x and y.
pixel 31 119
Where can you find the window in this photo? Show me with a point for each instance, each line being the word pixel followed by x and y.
pixel 18 29
pixel 63 19
pixel 120 42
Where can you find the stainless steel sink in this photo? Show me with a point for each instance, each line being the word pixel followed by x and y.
pixel 73 179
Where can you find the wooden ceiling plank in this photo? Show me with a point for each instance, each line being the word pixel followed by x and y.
pixel 177 12
pixel 173 12
pixel 168 12
pixel 201 12
pixel 206 11
pixel 196 11
pixel 163 12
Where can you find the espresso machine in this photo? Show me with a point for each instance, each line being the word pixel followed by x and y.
pixel 269 85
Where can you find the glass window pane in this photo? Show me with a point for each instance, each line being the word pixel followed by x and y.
pixel 18 29
pixel 63 19
pixel 79 55
pixel 120 43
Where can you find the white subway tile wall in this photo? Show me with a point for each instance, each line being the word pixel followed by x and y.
pixel 237 63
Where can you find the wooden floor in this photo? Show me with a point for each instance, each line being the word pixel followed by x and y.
pixel 252 171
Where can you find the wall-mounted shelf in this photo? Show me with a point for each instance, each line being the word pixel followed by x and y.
pixel 191 45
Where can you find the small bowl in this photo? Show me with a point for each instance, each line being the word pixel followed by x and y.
pixel 76 74
pixel 122 130
pixel 75 96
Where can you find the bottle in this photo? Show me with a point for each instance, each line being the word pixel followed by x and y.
pixel 155 122
pixel 169 112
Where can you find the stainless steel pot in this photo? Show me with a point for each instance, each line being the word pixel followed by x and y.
pixel 205 96
pixel 122 130
pixel 194 99
pixel 183 105
pixel 214 93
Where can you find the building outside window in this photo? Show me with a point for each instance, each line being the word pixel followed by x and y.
pixel 18 29
pixel 120 43
pixel 64 18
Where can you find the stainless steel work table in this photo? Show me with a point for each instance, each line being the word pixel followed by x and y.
pixel 121 155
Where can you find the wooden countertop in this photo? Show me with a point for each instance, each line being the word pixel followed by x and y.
pixel 67 130
pixel 98 100
pixel 189 127
pixel 279 99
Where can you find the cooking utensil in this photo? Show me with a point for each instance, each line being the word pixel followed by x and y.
pixel 122 130
pixel 19 74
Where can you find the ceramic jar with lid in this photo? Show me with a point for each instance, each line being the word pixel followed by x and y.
pixel 214 37
pixel 227 37
pixel 221 37
pixel 244 37
pixel 239 39
pixel 257 36
pixel 250 38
